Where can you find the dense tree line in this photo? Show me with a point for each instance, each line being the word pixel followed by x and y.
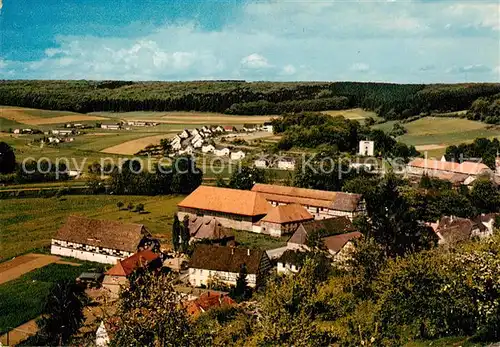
pixel 131 179
pixel 391 101
pixel 486 109
pixel 312 130
pixel 484 149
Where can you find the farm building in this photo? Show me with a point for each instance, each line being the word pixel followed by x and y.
pixel 100 241
pixel 111 126
pixel 457 173
pixel 224 264
pixel 207 301
pixel 207 149
pixel 117 276
pixel 261 163
pixel 284 219
pixel 222 152
pixel 286 163
pixel 321 204
pixel 210 229
pixel 229 128
pixel 233 208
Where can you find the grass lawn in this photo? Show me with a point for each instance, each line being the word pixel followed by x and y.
pixel 265 242
pixel 22 299
pixel 30 223
pixel 6 124
pixel 442 131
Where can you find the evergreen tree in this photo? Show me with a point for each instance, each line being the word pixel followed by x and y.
pixel 185 235
pixel 240 292
pixel 176 233
pixel 7 159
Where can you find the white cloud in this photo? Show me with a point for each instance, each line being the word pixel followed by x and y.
pixel 360 67
pixel 278 40
pixel 255 61
pixel 480 14
pixel 476 68
pixel 289 70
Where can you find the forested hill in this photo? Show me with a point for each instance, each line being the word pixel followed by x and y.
pixel 391 101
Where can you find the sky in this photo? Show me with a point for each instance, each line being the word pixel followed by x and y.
pixel 401 41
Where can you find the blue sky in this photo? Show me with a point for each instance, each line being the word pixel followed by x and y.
pixel 387 40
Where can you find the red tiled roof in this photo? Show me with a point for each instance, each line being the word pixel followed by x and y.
pixel 339 201
pixel 234 201
pixel 126 266
pixel 466 167
pixel 287 214
pixel 207 301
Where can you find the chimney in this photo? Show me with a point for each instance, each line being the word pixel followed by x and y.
pixel 248 252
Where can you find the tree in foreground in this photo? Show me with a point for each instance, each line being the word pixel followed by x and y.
pixel 241 290
pixel 139 208
pixel 149 314
pixel 63 314
pixel 176 233
pixel 247 177
pixel 7 159
pixel 185 235
pixel 120 205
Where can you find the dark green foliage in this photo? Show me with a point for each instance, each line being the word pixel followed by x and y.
pixel 185 235
pixel 398 129
pixel 139 208
pixel 131 179
pixel 246 177
pixel 7 159
pixel 481 148
pixel 176 233
pixel 120 205
pixel 63 313
pixel 391 101
pixel 392 222
pixel 484 196
pixel 44 171
pixel 486 109
pixel 316 130
pixel 241 290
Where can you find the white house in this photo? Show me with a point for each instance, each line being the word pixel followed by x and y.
pixel 198 143
pixel 196 138
pixel 110 126
pixel 54 140
pixel 366 148
pixel 17 131
pixel 219 129
pixel 237 155
pixel 268 128
pixel 185 134
pixel 100 241
pixel 222 152
pixel 261 163
pixel 176 145
pixel 189 150
pixel 210 263
pixel 207 149
pixel 286 163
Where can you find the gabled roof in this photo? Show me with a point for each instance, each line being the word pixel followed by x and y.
pixel 287 214
pixel 126 266
pixel 339 201
pixel 454 229
pixel 466 167
pixel 208 228
pixel 332 226
pixel 229 259
pixel 207 301
pixel 234 201
pixel 336 242
pixel 102 233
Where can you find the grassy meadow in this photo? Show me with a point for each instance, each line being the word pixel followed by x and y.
pixel 22 299
pixel 434 134
pixel 30 223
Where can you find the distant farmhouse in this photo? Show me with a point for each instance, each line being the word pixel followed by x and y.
pixel 321 204
pixel 224 264
pixel 101 241
pixel 457 173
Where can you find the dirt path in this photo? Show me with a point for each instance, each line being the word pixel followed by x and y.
pixel 429 147
pixel 18 266
pixel 20 333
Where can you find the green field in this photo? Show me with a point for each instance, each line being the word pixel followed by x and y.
pixel 30 223
pixel 436 133
pixel 354 114
pixel 22 299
